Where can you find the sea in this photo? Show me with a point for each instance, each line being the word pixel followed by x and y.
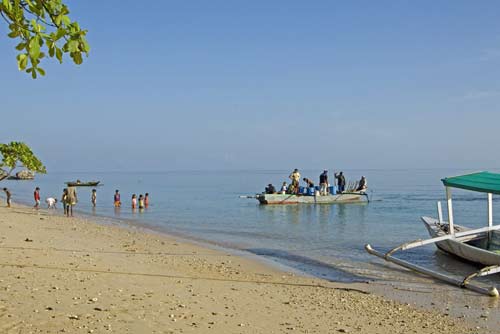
pixel 325 241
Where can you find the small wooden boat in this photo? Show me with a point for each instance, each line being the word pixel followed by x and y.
pixel 78 183
pixel 481 245
pixel 347 197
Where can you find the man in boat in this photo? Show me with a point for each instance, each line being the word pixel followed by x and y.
pixel 295 177
pixel 284 188
pixel 270 189
pixel 340 181
pixel 362 184
pixel 308 182
pixel 323 182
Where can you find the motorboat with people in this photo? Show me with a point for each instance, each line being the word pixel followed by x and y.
pixel 480 245
pixel 325 193
pixel 313 197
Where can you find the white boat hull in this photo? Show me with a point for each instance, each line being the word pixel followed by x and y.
pixel 305 199
pixel 465 250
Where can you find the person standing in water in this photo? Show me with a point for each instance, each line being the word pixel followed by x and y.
pixel 71 200
pixel 146 200
pixel 93 198
pixel 8 194
pixel 134 201
pixel 117 200
pixel 141 202
pixel 64 200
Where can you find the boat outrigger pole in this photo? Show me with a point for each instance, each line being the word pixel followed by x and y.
pixel 465 283
pixel 474 245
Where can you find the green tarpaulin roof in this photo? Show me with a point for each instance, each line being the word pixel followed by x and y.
pixel 485 182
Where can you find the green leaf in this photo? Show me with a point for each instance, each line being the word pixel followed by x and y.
pixel 59 55
pixel 21 46
pixel 34 47
pixel 13 34
pixel 84 46
pixel 65 20
pixel 40 70
pixel 7 5
pixel 77 57
pixel 72 46
pixel 22 61
pixel 60 33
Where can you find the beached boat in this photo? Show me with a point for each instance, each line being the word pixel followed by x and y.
pixel 347 197
pixel 481 245
pixel 82 184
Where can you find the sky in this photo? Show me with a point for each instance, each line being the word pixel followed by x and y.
pixel 195 85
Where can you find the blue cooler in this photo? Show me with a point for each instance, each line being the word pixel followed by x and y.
pixel 332 190
pixel 317 188
pixel 310 191
pixel 302 190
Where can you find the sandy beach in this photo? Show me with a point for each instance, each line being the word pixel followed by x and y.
pixel 70 275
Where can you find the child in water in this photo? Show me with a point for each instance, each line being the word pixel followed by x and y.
pixel 134 201
pixel 94 197
pixel 141 202
pixel 118 202
pixel 146 200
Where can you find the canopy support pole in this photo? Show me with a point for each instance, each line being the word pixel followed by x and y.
pixel 490 209
pixel 450 211
pixel 440 212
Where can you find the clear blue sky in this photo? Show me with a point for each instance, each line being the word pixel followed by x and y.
pixel 265 84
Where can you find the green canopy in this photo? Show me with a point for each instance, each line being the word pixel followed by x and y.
pixel 484 182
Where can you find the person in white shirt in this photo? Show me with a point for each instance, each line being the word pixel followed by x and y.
pixel 284 188
pixel 51 202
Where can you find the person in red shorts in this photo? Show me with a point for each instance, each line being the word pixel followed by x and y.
pixel 36 196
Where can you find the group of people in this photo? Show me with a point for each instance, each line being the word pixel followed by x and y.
pixel 69 199
pixel 142 202
pixel 293 188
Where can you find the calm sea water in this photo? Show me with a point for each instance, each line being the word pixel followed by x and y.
pixel 323 240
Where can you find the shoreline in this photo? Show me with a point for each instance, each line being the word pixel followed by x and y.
pixel 152 282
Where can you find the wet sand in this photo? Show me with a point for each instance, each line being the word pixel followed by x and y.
pixel 70 275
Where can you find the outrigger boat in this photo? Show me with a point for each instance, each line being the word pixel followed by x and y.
pixel 78 183
pixel 346 197
pixel 474 245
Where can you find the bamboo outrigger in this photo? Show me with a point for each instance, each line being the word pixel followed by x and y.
pixel 475 245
